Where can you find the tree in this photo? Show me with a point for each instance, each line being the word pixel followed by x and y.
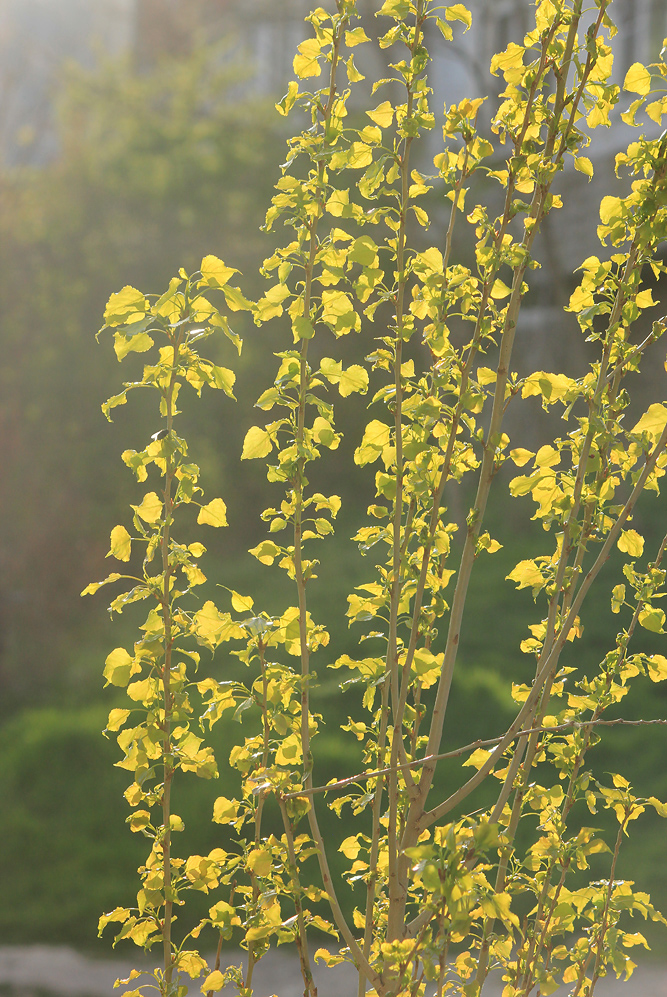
pixel 448 885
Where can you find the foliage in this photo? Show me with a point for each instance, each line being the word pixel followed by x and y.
pixel 449 886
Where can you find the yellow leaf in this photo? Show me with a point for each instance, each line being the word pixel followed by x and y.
pixel 257 443
pixel 631 542
pixel 150 509
pixel 266 552
pixel 225 811
pixel 121 544
pixel 477 759
pixel 376 438
pixel 350 847
pixel 611 208
pixel 214 981
pixel 213 514
pixel 259 861
pixel 118 667
pixel 637 79
pixel 661 808
pixel 500 289
pixel 458 12
pixel 521 456
pixel 584 165
pixel 140 342
pixel 652 422
pixel 510 59
pixel 657 670
pixel 214 272
pixel 117 718
pixel 645 299
pixel 241 603
pixel 652 619
pixel 527 575
pixel 485 375
pixel 306 62
pixel 353 73
pixel 125 307
pixel 356 37
pixel 382 115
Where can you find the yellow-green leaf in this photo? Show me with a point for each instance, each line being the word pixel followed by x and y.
pixel 150 509
pixel 652 619
pixel 257 443
pixel 121 544
pixel 213 514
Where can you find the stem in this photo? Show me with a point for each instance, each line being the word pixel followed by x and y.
pixel 167 699
pixel 301 941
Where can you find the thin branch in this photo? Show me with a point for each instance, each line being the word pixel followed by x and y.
pixel 457 752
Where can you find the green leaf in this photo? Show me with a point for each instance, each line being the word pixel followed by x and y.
pixel 257 443
pixel 213 514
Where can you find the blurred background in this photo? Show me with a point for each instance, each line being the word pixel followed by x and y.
pixel 137 136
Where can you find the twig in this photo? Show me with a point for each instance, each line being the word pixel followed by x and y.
pixel 480 743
